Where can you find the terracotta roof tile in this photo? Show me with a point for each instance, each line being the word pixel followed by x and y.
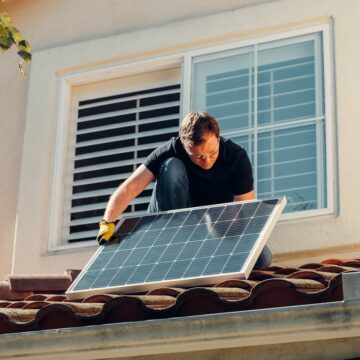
pixel 44 306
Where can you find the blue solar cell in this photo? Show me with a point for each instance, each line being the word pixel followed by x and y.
pixel 227 245
pixel 165 236
pixel 153 254
pixel 183 234
pixel 195 217
pixel 144 223
pixel 196 267
pixel 255 224
pixel 245 243
pixel 140 274
pixel 219 229
pixel 122 275
pixel 104 278
pixel 159 271
pixel 201 232
pixel 136 257
pixel 177 220
pixel 101 261
pixel 118 259
pixel 130 240
pixel 230 212
pixel 208 248
pixel 248 210
pixel 177 269
pixel 265 208
pixel 189 250
pixel 238 227
pixel 148 238
pixel 215 265
pixel 86 280
pixel 160 221
pixel 171 252
pixel 235 262
pixel 212 215
pixel 127 226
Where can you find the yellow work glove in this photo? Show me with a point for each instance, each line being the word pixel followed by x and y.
pixel 106 230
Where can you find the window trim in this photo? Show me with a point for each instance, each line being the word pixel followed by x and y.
pixel 66 82
pixel 64 116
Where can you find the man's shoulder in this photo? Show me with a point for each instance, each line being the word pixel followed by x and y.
pixel 231 150
pixel 171 145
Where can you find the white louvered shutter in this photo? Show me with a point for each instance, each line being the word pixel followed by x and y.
pixel 113 137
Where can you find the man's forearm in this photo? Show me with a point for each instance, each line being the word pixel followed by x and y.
pixel 127 191
pixel 118 202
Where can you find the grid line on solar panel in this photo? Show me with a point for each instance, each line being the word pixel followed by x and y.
pixel 143 223
pixel 177 220
pixel 201 242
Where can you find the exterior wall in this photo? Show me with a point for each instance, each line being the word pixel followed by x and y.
pixel 48 24
pixel 104 35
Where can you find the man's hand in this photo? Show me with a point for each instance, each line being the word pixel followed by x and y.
pixel 106 230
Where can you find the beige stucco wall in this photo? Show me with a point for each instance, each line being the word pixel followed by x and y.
pixel 78 35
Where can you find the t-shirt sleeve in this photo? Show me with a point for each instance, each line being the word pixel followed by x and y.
pixel 242 180
pixel 158 156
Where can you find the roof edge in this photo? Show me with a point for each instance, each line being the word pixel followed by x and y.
pixel 194 333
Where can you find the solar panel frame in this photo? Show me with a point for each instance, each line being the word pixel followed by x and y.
pixel 250 258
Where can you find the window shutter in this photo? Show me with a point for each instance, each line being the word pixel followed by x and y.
pixel 113 136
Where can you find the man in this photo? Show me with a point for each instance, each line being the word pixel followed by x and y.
pixel 197 168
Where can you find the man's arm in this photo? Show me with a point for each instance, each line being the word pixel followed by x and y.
pixel 247 196
pixel 127 191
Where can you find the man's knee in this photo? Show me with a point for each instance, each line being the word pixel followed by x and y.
pixel 264 259
pixel 174 170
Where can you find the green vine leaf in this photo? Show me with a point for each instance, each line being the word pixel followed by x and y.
pixel 9 36
pixel 25 55
pixel 5 19
pixel 23 45
pixel 22 70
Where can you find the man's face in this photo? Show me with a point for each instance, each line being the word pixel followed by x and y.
pixel 205 154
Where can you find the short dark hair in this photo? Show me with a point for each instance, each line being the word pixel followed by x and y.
pixel 196 127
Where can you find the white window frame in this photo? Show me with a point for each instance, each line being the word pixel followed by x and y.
pixel 286 38
pixel 183 59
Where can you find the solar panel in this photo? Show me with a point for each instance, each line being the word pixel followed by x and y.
pixel 194 246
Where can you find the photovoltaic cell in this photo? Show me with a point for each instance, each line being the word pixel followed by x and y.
pixel 191 246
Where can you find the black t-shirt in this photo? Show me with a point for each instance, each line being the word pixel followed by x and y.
pixel 230 175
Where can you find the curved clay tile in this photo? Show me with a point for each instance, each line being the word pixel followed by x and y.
pixel 230 293
pixel 313 266
pixel 35 305
pixel 312 275
pixel 102 298
pixel 170 291
pixel 243 284
pixel 36 297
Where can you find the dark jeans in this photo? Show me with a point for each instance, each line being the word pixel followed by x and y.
pixel 171 191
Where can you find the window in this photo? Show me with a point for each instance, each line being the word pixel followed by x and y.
pixel 269 98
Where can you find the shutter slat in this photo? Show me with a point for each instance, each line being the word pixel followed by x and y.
pixel 127 137
pixel 99 206
pixel 126 149
pixel 128 111
pixel 94 129
pixel 127 98
pixel 104 192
